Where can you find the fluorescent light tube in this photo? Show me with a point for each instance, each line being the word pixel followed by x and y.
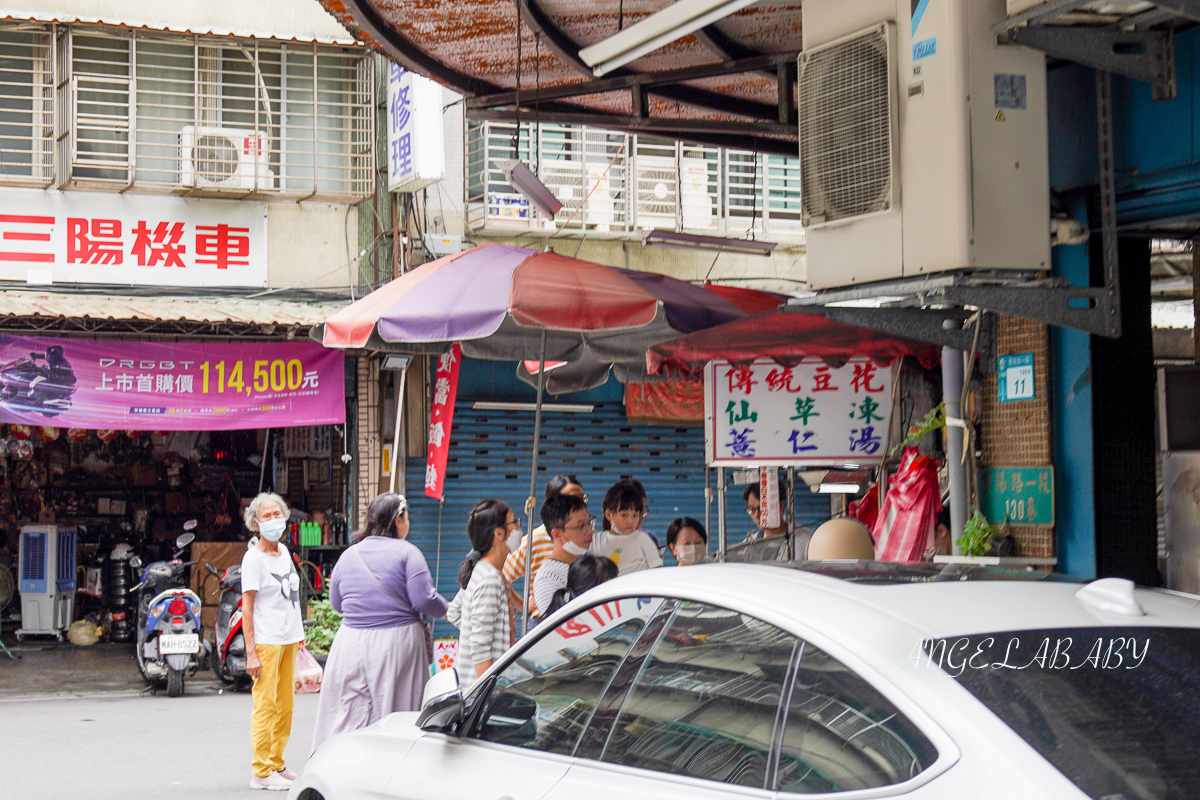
pixel 694 241
pixel 570 408
pixel 838 488
pixel 521 178
pixel 673 22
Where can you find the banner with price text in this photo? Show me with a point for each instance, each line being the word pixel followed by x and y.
pixel 169 386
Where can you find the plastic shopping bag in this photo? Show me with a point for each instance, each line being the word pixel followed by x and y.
pixel 308 671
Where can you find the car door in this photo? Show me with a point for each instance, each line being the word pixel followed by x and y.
pixel 524 722
pixel 694 717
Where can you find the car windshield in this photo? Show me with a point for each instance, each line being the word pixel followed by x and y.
pixel 1116 710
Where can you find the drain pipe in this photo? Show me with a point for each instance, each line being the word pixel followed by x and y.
pixel 952 386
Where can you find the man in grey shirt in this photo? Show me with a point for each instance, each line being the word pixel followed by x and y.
pixel 800 535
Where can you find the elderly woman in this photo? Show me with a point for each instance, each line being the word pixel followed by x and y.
pixel 273 629
pixel 379 661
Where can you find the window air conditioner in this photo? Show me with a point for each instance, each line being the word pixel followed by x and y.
pixel 565 180
pixel 225 158
pixel 923 144
pixel 657 192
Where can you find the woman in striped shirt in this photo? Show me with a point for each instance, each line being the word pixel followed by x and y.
pixel 480 611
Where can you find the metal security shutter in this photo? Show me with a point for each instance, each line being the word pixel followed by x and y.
pixel 490 457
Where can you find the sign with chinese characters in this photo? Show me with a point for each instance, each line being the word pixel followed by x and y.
pixel 416 150
pixel 811 414
pixel 1021 495
pixel 147 240
pixel 1014 377
pixel 445 654
pixel 169 386
pixel 445 390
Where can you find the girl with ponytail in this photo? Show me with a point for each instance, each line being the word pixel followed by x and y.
pixel 480 611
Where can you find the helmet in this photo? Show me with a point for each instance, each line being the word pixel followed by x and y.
pixel 841 538
pixel 121 552
pixel 54 354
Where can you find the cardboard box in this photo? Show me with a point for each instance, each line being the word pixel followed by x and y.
pixel 221 555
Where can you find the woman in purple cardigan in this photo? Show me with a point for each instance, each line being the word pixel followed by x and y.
pixel 378 662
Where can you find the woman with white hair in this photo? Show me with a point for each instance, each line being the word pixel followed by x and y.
pixel 273 629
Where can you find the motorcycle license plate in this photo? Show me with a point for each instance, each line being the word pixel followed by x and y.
pixel 172 643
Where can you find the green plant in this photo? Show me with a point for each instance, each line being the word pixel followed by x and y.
pixel 976 539
pixel 934 419
pixel 318 636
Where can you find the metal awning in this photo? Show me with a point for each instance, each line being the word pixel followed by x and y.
pixel 64 312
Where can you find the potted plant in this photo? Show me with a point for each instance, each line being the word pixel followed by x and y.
pixel 321 627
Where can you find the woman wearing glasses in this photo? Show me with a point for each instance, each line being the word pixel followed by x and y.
pixel 379 661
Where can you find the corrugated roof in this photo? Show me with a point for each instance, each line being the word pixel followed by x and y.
pixel 245 310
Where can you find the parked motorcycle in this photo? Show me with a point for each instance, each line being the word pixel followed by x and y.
pixel 229 645
pixel 43 382
pixel 169 646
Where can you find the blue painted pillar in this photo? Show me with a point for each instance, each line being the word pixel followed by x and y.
pixel 1071 388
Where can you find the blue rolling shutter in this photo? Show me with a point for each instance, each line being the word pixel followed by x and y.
pixel 490 455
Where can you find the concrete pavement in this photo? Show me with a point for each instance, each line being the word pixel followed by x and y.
pixel 74 723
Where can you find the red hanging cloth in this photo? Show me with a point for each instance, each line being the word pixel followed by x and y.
pixel 905 528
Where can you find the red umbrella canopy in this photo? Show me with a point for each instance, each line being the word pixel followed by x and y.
pixel 788 337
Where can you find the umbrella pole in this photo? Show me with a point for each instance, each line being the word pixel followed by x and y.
pixel 530 501
pixel 722 536
pixel 397 459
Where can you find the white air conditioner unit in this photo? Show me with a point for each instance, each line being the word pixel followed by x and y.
pixel 923 144
pixel 658 192
pixel 565 180
pixel 225 158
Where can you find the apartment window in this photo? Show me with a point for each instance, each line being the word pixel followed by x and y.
pixel 115 108
pixel 610 182
pixel 26 105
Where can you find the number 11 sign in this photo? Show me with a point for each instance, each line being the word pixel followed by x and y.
pixel 1015 377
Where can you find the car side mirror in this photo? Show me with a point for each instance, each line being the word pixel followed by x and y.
pixel 442 704
pixel 212 570
pixel 135 562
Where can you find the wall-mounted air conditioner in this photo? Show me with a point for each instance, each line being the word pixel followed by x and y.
pixel 923 144
pixel 225 158
pixel 565 180
pixel 660 185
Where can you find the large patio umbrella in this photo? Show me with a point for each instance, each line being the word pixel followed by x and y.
pixel 507 303
pixel 786 337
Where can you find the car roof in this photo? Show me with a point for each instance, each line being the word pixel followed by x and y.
pixel 860 599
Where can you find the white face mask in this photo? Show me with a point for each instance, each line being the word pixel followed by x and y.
pixel 514 540
pixel 690 554
pixel 272 529
pixel 574 549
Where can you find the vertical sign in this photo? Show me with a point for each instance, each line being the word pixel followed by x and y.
pixel 416 148
pixel 1015 377
pixel 766 414
pixel 445 390
pixel 768 498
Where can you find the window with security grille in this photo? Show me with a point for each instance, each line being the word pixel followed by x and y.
pixel 26 105
pixel 174 113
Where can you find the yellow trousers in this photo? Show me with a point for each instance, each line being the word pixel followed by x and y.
pixel 274 696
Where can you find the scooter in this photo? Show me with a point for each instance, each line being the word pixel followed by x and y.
pixel 43 382
pixel 229 645
pixel 169 646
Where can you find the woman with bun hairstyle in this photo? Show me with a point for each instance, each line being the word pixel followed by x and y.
pixel 480 610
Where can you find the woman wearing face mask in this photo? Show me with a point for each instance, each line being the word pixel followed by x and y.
pixel 687 541
pixel 480 610
pixel 273 628
pixel 379 661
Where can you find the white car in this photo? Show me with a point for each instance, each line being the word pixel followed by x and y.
pixel 764 681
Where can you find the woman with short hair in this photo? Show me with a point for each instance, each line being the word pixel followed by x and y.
pixel 379 661
pixel 273 629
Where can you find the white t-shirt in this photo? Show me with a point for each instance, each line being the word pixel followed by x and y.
pixel 630 552
pixel 277 617
pixel 548 580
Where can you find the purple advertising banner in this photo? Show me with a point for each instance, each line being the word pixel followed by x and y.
pixel 169 386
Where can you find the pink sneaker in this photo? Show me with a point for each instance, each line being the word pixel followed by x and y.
pixel 272 783
pixel 287 773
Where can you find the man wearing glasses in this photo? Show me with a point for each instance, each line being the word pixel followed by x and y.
pixel 801 536
pixel 566 518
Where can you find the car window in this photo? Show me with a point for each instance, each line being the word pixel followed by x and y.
pixel 707 698
pixel 1115 709
pixel 544 698
pixel 840 734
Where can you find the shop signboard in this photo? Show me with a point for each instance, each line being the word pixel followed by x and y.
pixel 441 418
pixel 1020 495
pixel 146 240
pixel 811 414
pixel 169 386
pixel 416 150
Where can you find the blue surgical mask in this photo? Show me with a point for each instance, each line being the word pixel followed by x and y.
pixel 272 529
